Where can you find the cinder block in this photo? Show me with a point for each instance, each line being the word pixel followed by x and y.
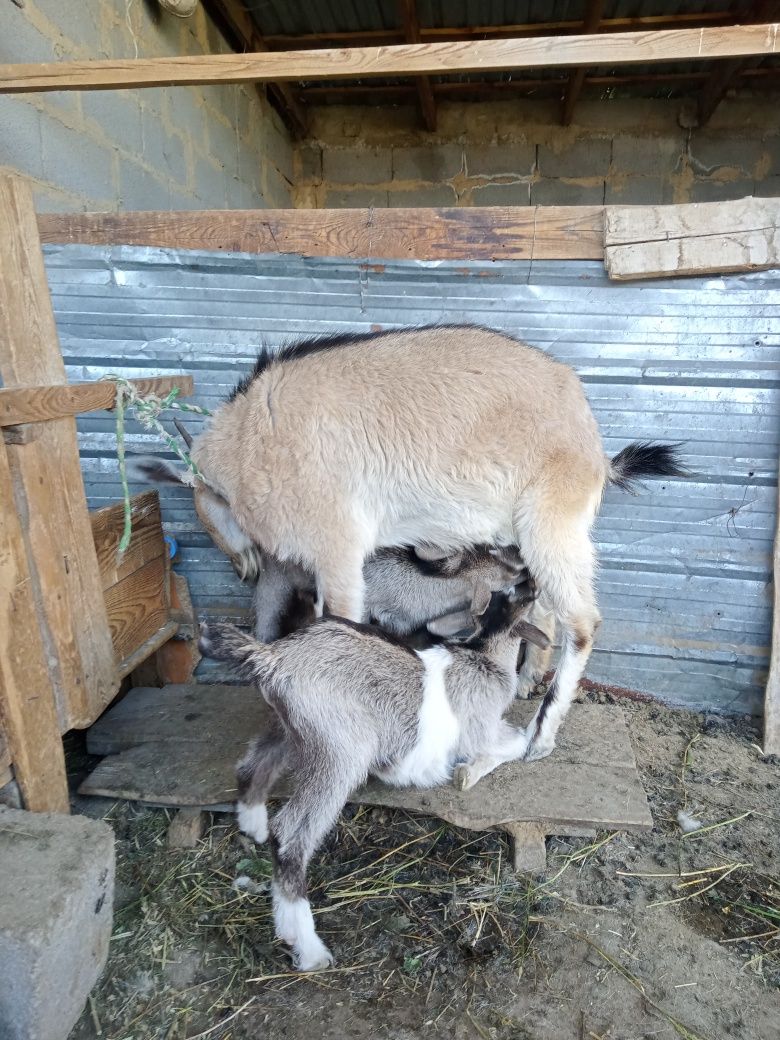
pixel 437 195
pixel 720 191
pixel 434 163
pixel 77 21
pixel 73 160
pixel 276 188
pixel 139 189
pixel 225 147
pixel 769 187
pixel 56 904
pixel 211 184
pixel 118 114
pixel 250 169
pixel 772 148
pixel 495 160
pixel 20 136
pixel 20 41
pixel 356 198
pixel 638 191
pixel 273 143
pixel 502 195
pixel 564 193
pixel 356 165
pixel 647 156
pixel 186 114
pixel 585 157
pixel 310 165
pixel 708 153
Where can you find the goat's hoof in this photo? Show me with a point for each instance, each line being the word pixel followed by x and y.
pixel 537 751
pixel 253 821
pixel 461 777
pixel 316 959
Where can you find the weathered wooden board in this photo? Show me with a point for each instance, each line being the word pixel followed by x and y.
pixel 47 480
pixel 31 404
pixel 414 59
pixel 772 694
pixel 695 239
pixel 28 713
pixel 482 233
pixel 179 746
pixel 146 542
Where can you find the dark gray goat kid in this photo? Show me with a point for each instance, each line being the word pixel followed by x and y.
pixel 349 701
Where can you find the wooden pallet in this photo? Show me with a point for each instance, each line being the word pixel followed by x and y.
pixel 178 746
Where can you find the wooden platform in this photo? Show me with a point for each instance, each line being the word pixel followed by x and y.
pixel 179 745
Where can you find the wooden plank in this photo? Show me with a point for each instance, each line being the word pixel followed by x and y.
pixel 146 542
pixel 179 747
pixel 412 59
pixel 29 404
pixel 593 13
pixel 138 607
pixel 425 98
pixel 772 692
pixel 154 643
pixel 238 27
pixel 27 710
pixel 482 233
pixel 47 474
pixel 700 238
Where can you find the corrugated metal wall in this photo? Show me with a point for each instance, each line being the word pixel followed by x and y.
pixel 685 567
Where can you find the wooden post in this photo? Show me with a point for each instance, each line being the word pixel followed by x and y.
pixel 27 709
pixel 48 489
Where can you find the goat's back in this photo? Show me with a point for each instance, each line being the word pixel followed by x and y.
pixel 403 422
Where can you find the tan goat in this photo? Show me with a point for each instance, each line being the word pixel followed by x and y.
pixel 449 436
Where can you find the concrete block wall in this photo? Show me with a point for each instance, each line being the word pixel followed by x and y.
pixel 173 148
pixel 516 153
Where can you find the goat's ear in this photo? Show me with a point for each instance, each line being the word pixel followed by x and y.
pixel 429 553
pixel 148 469
pixel 480 599
pixel 461 623
pixel 531 634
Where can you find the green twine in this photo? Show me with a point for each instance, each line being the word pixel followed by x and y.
pixel 147 410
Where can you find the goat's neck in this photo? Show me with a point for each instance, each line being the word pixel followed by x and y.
pixel 502 650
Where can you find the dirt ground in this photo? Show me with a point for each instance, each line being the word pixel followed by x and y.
pixel 626 937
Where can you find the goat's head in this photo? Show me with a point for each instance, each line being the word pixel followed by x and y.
pixel 213 510
pixel 493 614
pixel 496 567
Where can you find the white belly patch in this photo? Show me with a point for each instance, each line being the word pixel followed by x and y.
pixel 430 761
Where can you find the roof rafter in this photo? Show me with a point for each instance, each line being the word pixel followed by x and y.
pixel 593 13
pixel 425 97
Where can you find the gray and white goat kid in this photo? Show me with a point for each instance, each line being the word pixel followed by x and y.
pixel 405 588
pixel 349 701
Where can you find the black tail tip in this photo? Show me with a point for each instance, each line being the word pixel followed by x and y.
pixel 646 459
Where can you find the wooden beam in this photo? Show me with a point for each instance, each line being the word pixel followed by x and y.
pixel 431 33
pixel 694 239
pixel 481 233
pixel 725 73
pixel 34 404
pixel 413 59
pixel 27 710
pixel 590 24
pixel 239 29
pixel 425 99
pixel 47 478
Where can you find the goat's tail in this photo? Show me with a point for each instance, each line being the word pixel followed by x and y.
pixel 645 459
pixel 251 660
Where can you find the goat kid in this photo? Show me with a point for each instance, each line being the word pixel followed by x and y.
pixel 405 588
pixel 349 701
pixel 449 436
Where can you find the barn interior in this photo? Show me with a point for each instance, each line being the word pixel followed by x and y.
pixel 185 181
